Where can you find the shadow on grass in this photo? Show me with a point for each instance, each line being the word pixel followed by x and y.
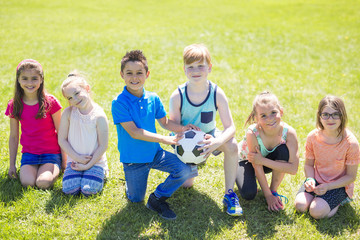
pixel 60 199
pixel 345 219
pixel 198 217
pixel 10 189
pixel 261 223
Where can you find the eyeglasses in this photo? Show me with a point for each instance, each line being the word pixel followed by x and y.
pixel 326 116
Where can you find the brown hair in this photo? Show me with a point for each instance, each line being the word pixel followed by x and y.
pixel 134 56
pixel 337 104
pixel 261 99
pixel 196 52
pixel 19 92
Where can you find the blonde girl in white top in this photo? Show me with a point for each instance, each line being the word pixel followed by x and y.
pixel 83 135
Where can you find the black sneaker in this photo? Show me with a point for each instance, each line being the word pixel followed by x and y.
pixel 161 207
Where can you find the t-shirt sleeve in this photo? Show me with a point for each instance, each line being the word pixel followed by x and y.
pixel 353 153
pixel 309 151
pixel 9 109
pixel 160 110
pixel 120 112
pixel 54 103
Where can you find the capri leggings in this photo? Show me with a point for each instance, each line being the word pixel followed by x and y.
pixel 246 180
pixel 87 182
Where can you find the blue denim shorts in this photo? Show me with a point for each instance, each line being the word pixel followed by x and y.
pixel 38 159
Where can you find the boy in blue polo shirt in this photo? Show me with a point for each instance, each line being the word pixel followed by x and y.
pixel 134 112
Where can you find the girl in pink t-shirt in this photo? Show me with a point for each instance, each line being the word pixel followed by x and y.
pixel 331 161
pixel 39 116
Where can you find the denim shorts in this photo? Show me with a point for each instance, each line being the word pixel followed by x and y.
pixel 38 159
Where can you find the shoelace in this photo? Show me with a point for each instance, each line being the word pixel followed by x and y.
pixel 234 199
pixel 286 200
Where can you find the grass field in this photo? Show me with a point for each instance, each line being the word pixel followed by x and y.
pixel 299 50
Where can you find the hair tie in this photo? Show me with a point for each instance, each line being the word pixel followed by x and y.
pixel 28 60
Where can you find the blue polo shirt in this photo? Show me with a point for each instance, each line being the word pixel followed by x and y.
pixel 142 111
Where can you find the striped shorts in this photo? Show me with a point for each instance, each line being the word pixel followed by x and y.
pixel 87 182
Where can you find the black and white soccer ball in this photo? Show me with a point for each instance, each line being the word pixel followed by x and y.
pixel 187 150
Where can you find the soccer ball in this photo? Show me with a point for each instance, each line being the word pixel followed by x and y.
pixel 187 150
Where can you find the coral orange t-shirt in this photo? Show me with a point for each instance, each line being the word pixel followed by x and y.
pixel 331 159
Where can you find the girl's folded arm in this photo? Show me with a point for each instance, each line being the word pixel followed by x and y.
pixel 291 166
pixel 349 177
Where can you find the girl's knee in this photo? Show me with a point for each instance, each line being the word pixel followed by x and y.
pixel 248 195
pixel 301 206
pixel 44 183
pixel 319 208
pixel 319 212
pixel 28 182
pixel 91 187
pixel 71 186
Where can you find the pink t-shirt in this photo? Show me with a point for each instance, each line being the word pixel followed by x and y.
pixel 38 136
pixel 331 159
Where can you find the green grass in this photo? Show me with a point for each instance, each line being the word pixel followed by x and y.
pixel 300 50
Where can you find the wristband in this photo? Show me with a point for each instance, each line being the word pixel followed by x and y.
pixel 310 178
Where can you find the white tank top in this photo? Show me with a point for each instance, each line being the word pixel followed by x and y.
pixel 83 136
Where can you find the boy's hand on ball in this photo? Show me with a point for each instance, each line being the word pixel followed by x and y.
pixel 210 145
pixel 171 140
pixel 191 126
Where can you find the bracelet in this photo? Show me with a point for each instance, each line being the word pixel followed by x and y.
pixel 310 178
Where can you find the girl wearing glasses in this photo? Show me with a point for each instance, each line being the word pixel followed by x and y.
pixel 331 162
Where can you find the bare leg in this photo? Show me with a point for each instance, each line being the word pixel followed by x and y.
pixel 276 179
pixel 319 208
pixel 332 212
pixel 28 175
pixel 47 175
pixel 230 150
pixel 303 201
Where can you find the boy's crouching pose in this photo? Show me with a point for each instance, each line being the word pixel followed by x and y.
pixel 134 112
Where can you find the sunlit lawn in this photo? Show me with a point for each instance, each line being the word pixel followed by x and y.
pixel 299 50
